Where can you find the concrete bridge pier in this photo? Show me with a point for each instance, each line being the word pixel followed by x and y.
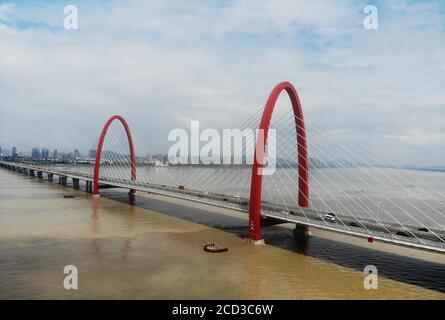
pixel 89 186
pixel 31 173
pixel 40 174
pixel 302 235
pixel 62 180
pixel 301 230
pixel 50 177
pixel 76 184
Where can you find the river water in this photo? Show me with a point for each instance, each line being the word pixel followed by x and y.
pixel 408 197
pixel 153 249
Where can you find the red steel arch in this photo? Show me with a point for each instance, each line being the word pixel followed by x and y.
pixel 257 178
pixel 100 145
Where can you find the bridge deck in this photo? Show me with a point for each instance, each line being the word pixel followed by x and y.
pixel 411 236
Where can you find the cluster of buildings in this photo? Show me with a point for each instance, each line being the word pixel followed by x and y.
pixel 13 153
pixel 45 154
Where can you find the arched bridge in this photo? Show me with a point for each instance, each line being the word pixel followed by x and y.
pixel 297 209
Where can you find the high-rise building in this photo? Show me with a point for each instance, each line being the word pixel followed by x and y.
pixel 93 154
pixel 66 156
pixel 14 152
pixel 76 154
pixel 45 153
pixel 55 154
pixel 35 153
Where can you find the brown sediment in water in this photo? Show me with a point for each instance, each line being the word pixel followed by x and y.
pixel 127 252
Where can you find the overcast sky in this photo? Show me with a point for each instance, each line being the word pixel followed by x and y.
pixel 163 63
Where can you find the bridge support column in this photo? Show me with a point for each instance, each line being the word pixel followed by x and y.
pixel 40 174
pixel 89 186
pixel 50 177
pixel 31 173
pixel 62 180
pixel 301 230
pixel 75 183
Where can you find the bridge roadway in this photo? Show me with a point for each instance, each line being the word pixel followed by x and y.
pixel 411 236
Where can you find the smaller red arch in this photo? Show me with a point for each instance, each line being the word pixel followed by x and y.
pixel 100 145
pixel 257 178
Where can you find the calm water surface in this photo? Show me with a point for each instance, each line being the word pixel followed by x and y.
pixel 399 196
pixel 153 250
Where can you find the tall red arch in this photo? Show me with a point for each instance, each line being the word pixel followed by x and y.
pixel 257 178
pixel 100 145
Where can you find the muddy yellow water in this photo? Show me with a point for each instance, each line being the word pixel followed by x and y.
pixel 153 249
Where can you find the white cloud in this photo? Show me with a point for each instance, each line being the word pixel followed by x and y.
pixel 419 137
pixel 162 63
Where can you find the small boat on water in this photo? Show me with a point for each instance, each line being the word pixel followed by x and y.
pixel 213 248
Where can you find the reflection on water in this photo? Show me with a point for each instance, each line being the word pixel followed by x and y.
pixel 134 251
pixel 426 270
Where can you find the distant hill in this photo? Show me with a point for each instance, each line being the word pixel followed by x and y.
pixel 425 168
